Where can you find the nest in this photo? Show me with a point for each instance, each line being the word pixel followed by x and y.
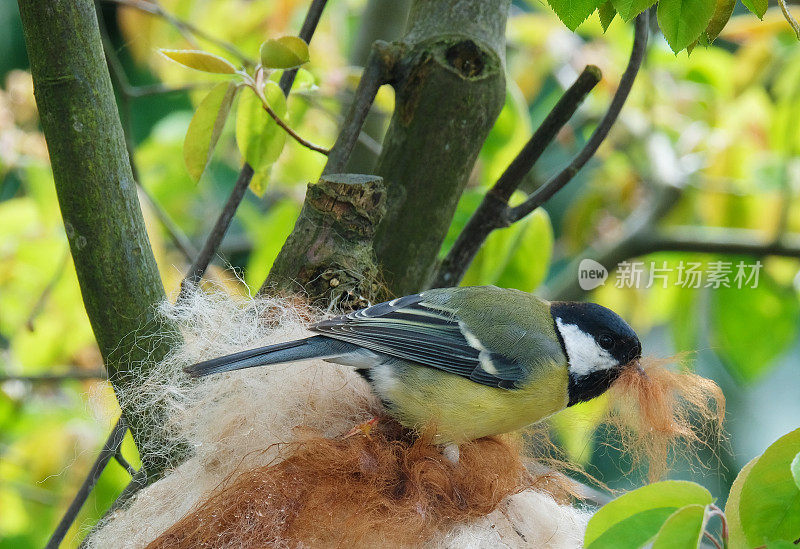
pixel 270 466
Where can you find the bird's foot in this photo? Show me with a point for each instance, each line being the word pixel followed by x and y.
pixel 363 428
pixel 451 453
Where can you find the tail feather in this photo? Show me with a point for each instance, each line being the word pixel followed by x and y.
pixel 301 349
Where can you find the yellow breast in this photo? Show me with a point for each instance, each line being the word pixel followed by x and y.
pixel 458 410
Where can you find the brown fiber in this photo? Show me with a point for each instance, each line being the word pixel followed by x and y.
pixel 384 489
pixel 660 412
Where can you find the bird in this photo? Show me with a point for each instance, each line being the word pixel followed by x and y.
pixel 466 362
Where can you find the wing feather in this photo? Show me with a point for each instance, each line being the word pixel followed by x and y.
pixel 430 334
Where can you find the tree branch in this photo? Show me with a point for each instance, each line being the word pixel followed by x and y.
pixel 377 71
pixel 555 184
pixel 641 238
pixel 494 212
pixel 109 450
pixel 713 240
pixel 183 26
pixel 198 268
pixel 490 212
pixel 117 273
pixel 293 134
pixel 74 375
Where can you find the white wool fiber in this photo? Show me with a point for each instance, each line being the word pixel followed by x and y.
pixel 240 420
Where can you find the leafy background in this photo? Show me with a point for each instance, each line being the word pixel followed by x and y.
pixel 720 123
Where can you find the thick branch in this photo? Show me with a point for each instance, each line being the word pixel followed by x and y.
pixel 555 184
pixel 110 449
pixel 198 268
pixel 449 88
pixel 377 71
pixel 489 215
pixel 119 280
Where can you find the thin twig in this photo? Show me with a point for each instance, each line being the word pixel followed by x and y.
pixel 293 134
pixel 72 375
pixel 713 240
pixel 789 17
pixel 109 450
pixel 198 268
pixel 124 462
pixel 183 26
pixel 490 213
pixel 376 72
pixel 370 143
pixel 48 289
pixel 203 259
pixel 556 183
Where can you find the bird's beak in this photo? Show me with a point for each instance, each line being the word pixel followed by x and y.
pixel 636 363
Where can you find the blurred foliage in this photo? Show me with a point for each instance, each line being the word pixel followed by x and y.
pixel 720 124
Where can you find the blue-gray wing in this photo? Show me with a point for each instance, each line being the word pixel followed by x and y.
pixel 427 333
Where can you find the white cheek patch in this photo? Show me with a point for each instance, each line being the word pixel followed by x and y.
pixel 584 354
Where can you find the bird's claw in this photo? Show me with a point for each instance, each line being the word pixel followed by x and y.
pixel 363 428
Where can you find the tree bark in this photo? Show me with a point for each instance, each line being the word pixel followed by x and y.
pixel 448 76
pixel 333 263
pixel 119 280
pixel 450 87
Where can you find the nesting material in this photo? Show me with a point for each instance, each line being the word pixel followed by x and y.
pixel 270 466
pixel 660 413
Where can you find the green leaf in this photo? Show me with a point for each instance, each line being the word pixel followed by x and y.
pixel 658 501
pixel 634 531
pixel 574 12
pixel 758 7
pixel 750 353
pixel 770 501
pixel 285 52
pixel 735 533
pixel 201 61
pixel 682 21
pixel 529 257
pixel 259 138
pixel 607 12
pixel 628 9
pixel 206 127
pixel 723 10
pixel 795 467
pixel 683 529
pixel 781 544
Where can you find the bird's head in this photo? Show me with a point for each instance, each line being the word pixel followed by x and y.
pixel 598 345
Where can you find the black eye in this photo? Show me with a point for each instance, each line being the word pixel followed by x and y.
pixel 606 341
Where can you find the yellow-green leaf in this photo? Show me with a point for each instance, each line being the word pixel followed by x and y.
pixel 735 532
pixel 607 12
pixel 758 7
pixel 259 138
pixel 206 127
pixel 770 503
pixel 683 529
pixel 682 21
pixel 201 61
pixel 656 499
pixel 795 467
pixel 722 13
pixel 285 52
pixel 628 9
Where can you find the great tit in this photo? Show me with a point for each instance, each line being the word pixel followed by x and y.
pixel 466 362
